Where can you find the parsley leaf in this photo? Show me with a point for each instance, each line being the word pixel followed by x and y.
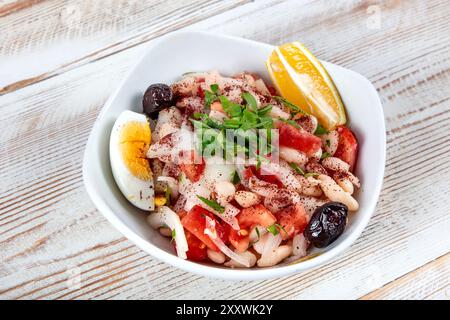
pixel 295 109
pixel 249 120
pixel 258 163
pixel 232 123
pixel 311 174
pixel 265 110
pixel 214 88
pixel 297 168
pixel 231 108
pixel 213 204
pixel 211 96
pixel 273 229
pixel 174 233
pixel 325 155
pixel 291 122
pixel 250 100
pixel 235 179
pixel 320 130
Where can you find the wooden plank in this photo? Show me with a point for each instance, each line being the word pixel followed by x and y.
pixel 430 281
pixel 67 34
pixel 49 228
pixel 9 7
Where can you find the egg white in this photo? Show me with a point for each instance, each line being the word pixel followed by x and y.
pixel 139 192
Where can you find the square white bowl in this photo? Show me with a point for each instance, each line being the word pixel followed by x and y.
pixel 167 59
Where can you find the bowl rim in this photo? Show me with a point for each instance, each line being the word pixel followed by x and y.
pixel 210 270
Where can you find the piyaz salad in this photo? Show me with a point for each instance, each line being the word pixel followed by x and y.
pixel 239 172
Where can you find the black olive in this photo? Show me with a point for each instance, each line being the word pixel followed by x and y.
pixel 327 224
pixel 157 97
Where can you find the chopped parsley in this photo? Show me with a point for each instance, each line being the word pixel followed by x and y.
pixel 291 122
pixel 231 108
pixel 297 168
pixel 235 179
pixel 242 118
pixel 275 229
pixel 320 130
pixel 214 88
pixel 325 155
pixel 212 204
pixel 294 108
pixel 300 171
pixel 250 100
pixel 311 174
pixel 211 96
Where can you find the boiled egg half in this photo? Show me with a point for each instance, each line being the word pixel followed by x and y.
pixel 128 145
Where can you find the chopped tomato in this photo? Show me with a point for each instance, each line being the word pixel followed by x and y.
pixel 197 249
pixel 303 141
pixel 263 175
pixel 195 222
pixel 347 149
pixel 293 220
pixel 191 165
pixel 248 173
pixel 200 92
pixel 238 240
pixel 216 106
pixel 256 215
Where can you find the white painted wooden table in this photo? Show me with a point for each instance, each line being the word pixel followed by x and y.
pixel 59 62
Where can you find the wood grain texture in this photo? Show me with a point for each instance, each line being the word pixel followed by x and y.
pixel 432 281
pixel 66 34
pixel 51 235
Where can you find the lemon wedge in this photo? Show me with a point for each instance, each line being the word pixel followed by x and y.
pixel 300 78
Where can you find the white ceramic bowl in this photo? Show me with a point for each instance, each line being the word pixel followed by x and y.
pixel 167 59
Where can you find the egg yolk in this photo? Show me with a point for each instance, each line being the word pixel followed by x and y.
pixel 135 139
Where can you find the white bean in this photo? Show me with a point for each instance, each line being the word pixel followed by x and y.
pixel 311 204
pixel 247 254
pixel 276 112
pixel 216 257
pixel 310 186
pixel 345 184
pixel 225 188
pixel 335 164
pixel 278 255
pixel 246 199
pixel 354 179
pixel 292 155
pixel 225 191
pixel 335 193
pixel 317 155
